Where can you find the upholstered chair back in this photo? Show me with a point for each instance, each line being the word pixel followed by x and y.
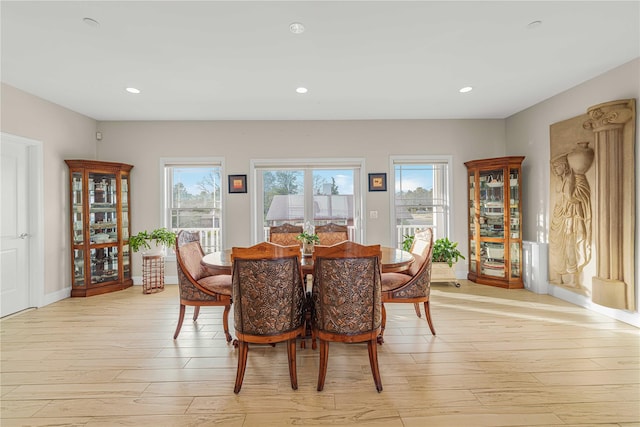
pixel 331 233
pixel 285 234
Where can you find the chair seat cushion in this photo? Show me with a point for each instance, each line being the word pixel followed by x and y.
pixel 391 281
pixel 415 265
pixel 220 283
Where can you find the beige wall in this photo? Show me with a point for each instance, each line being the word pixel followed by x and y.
pixel 528 134
pixel 69 135
pixel 143 143
pixel 64 134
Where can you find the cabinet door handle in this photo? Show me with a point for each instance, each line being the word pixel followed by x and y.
pixel 23 235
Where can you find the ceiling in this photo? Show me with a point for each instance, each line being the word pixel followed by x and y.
pixel 215 60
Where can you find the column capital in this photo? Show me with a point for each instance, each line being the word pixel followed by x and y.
pixel 610 115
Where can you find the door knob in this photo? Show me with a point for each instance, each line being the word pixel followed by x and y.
pixel 23 235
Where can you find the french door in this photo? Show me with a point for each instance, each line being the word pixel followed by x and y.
pixel 309 195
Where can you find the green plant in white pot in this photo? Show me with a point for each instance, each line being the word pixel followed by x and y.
pixel 160 237
pixel 444 250
pixel 445 255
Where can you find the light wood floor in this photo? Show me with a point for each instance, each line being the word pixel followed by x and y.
pixel 501 358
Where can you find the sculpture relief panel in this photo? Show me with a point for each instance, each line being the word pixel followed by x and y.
pixel 592 202
pixel 570 231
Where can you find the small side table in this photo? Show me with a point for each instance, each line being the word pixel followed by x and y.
pixel 152 273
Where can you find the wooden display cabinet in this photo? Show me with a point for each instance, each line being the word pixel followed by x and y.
pixel 100 217
pixel 495 221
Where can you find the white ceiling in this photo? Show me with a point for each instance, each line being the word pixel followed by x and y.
pixel 215 60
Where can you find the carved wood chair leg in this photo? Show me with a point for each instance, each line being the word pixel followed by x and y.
pixel 417 308
pixel 291 354
pixel 196 312
pixel 373 361
pixel 225 322
pixel 324 356
pixel 306 332
pixel 382 324
pixel 428 313
pixel 308 315
pixel 243 349
pixel 180 320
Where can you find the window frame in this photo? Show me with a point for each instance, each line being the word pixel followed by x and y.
pixel 166 193
pixel 421 160
pixel 354 163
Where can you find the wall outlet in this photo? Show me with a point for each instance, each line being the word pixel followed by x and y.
pixel 373 214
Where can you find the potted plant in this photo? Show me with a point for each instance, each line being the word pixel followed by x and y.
pixel 445 255
pixel 309 240
pixel 152 259
pixel 444 250
pixel 161 237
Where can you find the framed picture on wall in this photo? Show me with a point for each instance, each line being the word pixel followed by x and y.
pixel 377 182
pixel 237 183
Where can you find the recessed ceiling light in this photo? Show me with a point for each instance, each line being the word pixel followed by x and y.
pixel 132 90
pixel 466 89
pixel 302 90
pixel 296 28
pixel 533 25
pixel 91 22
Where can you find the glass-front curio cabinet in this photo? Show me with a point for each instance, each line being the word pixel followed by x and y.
pixel 495 221
pixel 100 218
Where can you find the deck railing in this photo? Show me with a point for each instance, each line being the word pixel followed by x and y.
pixel 410 230
pixel 210 238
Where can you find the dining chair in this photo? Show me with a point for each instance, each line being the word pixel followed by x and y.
pixel 268 300
pixel 422 242
pixel 285 234
pixel 197 286
pixel 347 300
pixel 415 287
pixel 330 234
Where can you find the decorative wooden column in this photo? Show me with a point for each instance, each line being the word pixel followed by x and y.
pixel 613 285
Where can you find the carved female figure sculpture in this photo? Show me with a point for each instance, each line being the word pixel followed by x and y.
pixel 570 231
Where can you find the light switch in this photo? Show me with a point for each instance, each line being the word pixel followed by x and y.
pixel 373 214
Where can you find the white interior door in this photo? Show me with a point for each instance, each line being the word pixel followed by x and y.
pixel 14 227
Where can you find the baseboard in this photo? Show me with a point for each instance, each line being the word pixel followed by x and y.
pixel 632 318
pixel 168 280
pixel 56 296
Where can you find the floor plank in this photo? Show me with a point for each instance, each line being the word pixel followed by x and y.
pixel 500 358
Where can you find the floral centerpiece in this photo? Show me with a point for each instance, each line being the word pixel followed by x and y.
pixel 309 239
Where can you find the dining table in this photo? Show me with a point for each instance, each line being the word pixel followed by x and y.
pixel 393 260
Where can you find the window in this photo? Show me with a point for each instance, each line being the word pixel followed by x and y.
pixel 193 199
pixel 421 196
pixel 307 193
